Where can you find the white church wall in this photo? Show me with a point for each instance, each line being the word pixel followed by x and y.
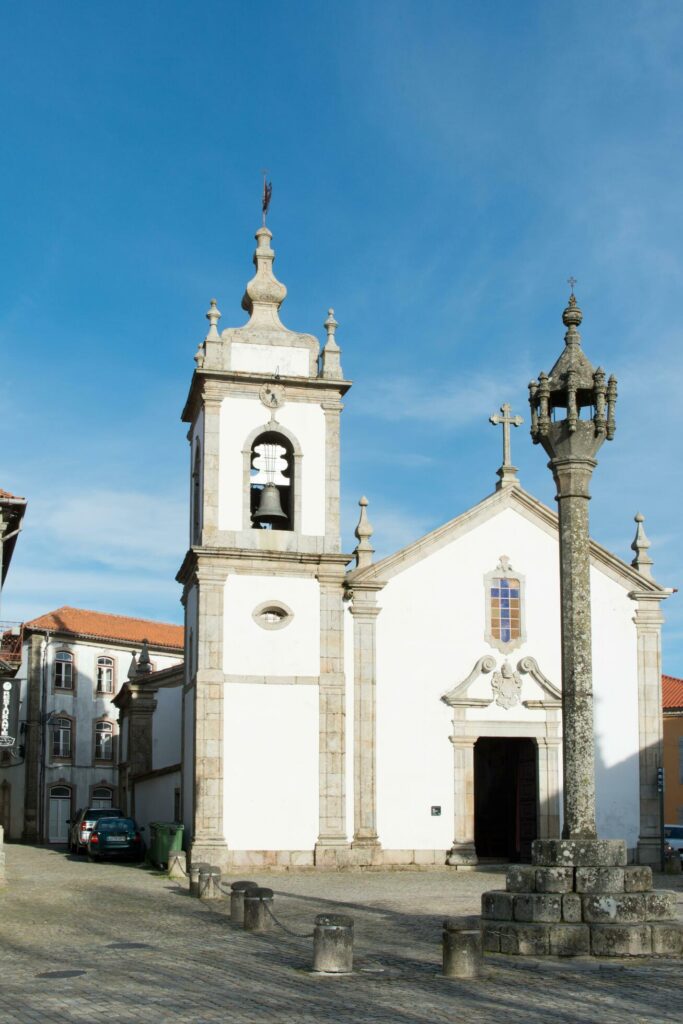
pixel 615 690
pixel 187 781
pixel 167 729
pixel 196 434
pixel 306 421
pixel 430 634
pixel 281 359
pixel 268 727
pixel 249 649
pixel 349 672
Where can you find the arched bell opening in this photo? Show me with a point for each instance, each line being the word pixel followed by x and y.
pixel 271 468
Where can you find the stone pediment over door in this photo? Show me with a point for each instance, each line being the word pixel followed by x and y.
pixel 506 685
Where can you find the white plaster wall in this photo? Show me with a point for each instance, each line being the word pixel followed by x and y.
pixel 282 359
pixel 251 650
pixel 196 433
pixel 349 671
pixel 167 727
pixel 188 763
pixel 271 766
pixel 430 634
pixel 191 625
pixel 615 690
pixel 239 418
pixel 154 800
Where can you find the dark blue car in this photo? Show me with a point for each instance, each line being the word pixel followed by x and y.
pixel 116 837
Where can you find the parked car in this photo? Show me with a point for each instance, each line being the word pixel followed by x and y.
pixel 674 835
pixel 116 837
pixel 82 825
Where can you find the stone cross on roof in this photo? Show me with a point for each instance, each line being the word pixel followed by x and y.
pixel 507 472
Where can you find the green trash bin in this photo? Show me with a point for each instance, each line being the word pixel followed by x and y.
pixel 153 847
pixel 167 837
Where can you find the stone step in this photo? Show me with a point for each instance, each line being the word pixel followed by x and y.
pixel 573 908
pixel 538 939
pixel 528 878
pixel 607 853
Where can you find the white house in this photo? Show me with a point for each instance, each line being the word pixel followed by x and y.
pixel 73 663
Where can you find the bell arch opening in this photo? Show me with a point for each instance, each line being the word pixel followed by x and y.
pixel 271 482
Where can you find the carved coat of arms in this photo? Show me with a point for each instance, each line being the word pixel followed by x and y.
pixel 507 686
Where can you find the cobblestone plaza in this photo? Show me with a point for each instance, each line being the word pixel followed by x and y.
pixel 137 948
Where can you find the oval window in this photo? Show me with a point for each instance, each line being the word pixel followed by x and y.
pixel 272 615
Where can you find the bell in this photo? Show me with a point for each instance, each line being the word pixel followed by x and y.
pixel 269 507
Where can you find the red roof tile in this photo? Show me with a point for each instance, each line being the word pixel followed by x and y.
pixel 672 692
pixel 6 494
pixel 109 627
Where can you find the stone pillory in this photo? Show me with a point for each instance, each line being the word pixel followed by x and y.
pixel 578 896
pixel 572 413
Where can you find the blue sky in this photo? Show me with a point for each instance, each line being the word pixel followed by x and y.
pixel 439 170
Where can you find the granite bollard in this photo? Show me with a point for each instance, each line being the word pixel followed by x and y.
pixel 176 865
pixel 195 868
pixel 209 884
pixel 237 891
pixel 257 904
pixel 333 944
pixel 461 950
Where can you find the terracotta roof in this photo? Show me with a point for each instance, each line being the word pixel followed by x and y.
pixel 6 494
pixel 109 627
pixel 672 692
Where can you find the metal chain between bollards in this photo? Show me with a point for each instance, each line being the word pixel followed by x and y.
pixel 296 935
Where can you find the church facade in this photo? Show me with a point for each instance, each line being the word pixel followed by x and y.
pixel 339 711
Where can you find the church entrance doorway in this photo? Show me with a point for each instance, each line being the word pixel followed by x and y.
pixel 505 797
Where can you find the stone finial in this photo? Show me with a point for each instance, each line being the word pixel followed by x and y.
pixel 133 668
pixel 572 407
pixel 331 363
pixel 364 549
pixel 144 664
pixel 264 293
pixel 642 562
pixel 213 316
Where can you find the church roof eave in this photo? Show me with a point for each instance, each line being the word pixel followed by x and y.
pixel 511 497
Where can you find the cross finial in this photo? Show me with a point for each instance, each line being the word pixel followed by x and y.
pixel 507 472
pixel 571 281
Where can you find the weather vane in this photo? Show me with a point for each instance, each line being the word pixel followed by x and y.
pixel 571 281
pixel 267 193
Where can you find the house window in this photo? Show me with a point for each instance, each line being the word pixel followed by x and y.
pixel 104 732
pixel 504 607
pixel 64 670
pixel 101 797
pixel 62 738
pixel 105 675
pixel 272 482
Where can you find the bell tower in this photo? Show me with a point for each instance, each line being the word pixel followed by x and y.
pixel 262 579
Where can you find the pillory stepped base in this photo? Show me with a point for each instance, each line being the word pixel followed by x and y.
pixel 579 898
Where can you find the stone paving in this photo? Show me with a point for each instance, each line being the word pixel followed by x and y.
pixel 146 951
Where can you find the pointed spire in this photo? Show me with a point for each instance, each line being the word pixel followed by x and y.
pixel 264 294
pixel 133 667
pixel 364 549
pixel 642 562
pixel 144 664
pixel 213 316
pixel 331 362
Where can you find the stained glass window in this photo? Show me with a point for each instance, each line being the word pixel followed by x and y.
pixel 506 612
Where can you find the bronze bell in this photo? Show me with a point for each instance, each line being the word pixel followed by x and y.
pixel 269 507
